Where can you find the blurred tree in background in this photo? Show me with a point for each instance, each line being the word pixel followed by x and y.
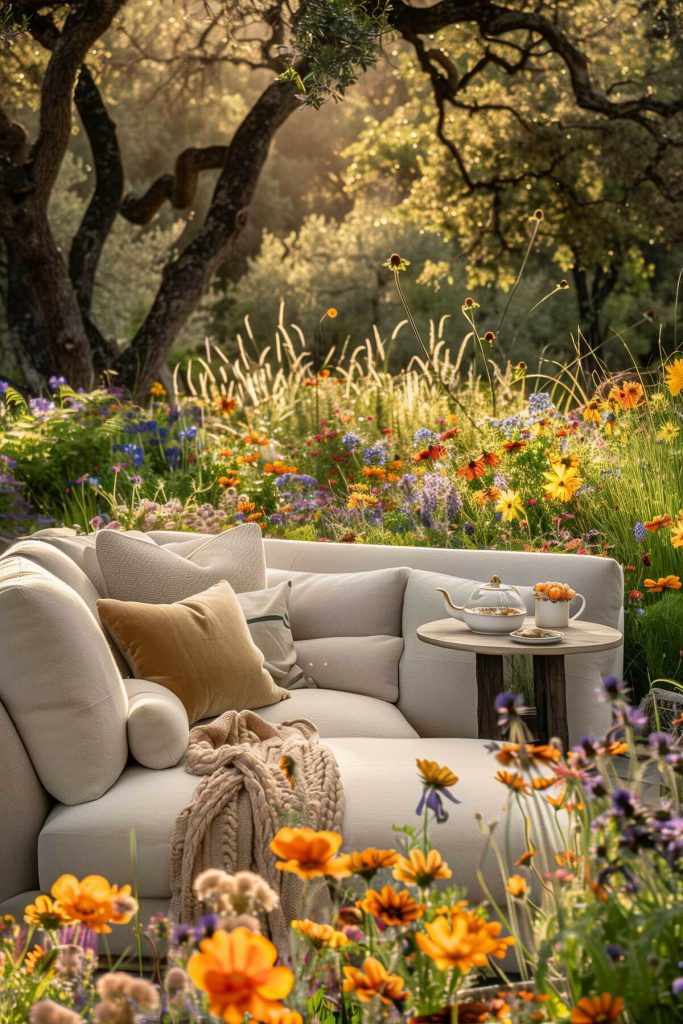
pixel 472 115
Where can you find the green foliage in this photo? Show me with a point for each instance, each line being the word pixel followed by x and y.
pixel 337 40
pixel 657 639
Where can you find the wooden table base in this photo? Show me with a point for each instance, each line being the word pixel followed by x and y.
pixel 551 698
pixel 489 685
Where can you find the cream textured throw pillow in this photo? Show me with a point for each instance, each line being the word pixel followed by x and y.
pixel 136 570
pixel 267 615
pixel 199 648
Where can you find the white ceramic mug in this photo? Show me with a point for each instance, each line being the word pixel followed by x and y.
pixel 555 614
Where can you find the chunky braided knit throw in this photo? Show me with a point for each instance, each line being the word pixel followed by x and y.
pixel 241 801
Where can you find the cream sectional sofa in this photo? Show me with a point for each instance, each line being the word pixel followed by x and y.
pixel 71 792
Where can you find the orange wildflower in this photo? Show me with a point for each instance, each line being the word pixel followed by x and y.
pixel 658 523
pixel 473 470
pixel 517 886
pixel 391 907
pixel 367 863
pixel 309 854
pixel 629 396
pixel 92 900
pixel 224 405
pixel 674 377
pixel 604 1009
pixel 46 914
pixel 514 446
pixel 462 941
pixel 490 458
pixel 374 982
pixel 513 780
pixel 237 970
pixel 421 869
pixel 663 583
pixel 322 936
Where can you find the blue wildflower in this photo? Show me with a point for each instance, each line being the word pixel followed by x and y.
pixel 3 386
pixel 375 455
pixel 56 383
pixel 423 436
pixel 639 532
pixel 351 442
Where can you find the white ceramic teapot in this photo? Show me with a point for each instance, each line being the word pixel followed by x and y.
pixel 492 607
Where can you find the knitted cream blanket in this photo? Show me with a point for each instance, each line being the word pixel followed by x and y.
pixel 241 801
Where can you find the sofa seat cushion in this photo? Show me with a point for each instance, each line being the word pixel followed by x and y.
pixel 347 714
pixel 381 787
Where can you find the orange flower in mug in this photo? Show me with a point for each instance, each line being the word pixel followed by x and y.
pixel 604 1009
pixel 391 907
pixel 237 970
pixel 309 854
pixel 374 982
pixel 663 583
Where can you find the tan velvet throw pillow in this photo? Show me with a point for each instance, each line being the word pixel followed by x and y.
pixel 199 648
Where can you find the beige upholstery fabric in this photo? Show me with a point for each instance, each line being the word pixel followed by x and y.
pixel 341 714
pixel 157 726
pixel 24 806
pixel 381 787
pixel 353 664
pixel 138 571
pixel 199 648
pixel 59 684
pixel 344 604
pixel 267 615
pixel 80 548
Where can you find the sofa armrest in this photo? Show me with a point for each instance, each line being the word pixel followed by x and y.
pixel 24 806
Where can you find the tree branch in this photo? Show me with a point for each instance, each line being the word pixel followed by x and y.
pixel 179 188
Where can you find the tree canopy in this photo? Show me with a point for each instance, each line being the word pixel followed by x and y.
pixel 475 114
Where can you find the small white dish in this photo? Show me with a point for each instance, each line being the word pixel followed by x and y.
pixel 551 636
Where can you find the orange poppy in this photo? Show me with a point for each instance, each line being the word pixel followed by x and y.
pixel 237 970
pixel 309 854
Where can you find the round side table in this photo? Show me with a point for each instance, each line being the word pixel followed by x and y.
pixel 580 637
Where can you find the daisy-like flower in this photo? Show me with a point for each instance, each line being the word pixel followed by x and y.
pixel 309 854
pixel 658 523
pixel 46 914
pixel 513 780
pixel 668 431
pixel 677 534
pixel 473 470
pixel 396 263
pixel 435 780
pixel 663 583
pixel 514 446
pixel 157 390
pixel 391 907
pixel 527 753
pixel 674 377
pixel 592 411
pixel 604 1009
pixel 490 458
pixel 375 982
pixel 93 901
pixel 237 970
pixel 421 869
pixel 321 936
pixel 462 941
pixel 224 405
pixel 367 863
pixel 562 482
pixel 629 395
pixel 510 505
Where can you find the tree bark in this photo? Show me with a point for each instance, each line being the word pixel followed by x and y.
pixel 185 279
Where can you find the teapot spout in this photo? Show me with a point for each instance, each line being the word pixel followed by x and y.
pixel 455 610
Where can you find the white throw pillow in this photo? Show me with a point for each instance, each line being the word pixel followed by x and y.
pixel 135 570
pixel 157 726
pixel 267 615
pixel 354 664
pixel 59 684
pixel 344 603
